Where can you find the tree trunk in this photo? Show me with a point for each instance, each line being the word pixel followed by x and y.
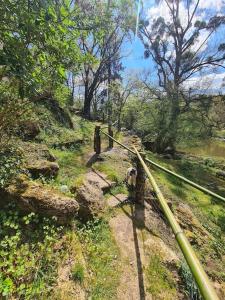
pixel 87 103
pixel 87 108
pixel 168 133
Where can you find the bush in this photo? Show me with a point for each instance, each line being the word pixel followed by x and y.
pixel 78 272
pixel 28 261
pixel 10 164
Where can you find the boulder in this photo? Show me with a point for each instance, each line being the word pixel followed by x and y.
pixel 44 168
pixel 97 179
pixel 91 201
pixel 30 196
pixel 34 151
pixel 100 179
pixel 28 130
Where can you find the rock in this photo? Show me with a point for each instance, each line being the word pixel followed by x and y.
pixel 193 229
pixel 30 196
pixel 43 168
pixel 28 130
pixel 169 150
pixel 116 200
pixel 220 174
pixel 100 179
pixel 91 201
pixel 97 179
pixel 34 151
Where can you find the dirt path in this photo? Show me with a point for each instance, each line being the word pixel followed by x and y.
pixel 132 284
pixel 136 241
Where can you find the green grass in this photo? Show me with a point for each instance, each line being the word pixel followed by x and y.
pixel 110 170
pixel 77 272
pixel 208 211
pixel 102 259
pixel 160 282
pixel 119 189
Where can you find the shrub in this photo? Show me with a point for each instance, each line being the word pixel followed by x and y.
pixel 77 272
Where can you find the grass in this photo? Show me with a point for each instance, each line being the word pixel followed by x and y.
pixel 160 282
pixel 209 212
pixel 110 170
pixel 101 254
pixel 77 272
pixel 72 166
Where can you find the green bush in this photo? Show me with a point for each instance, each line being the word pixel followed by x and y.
pixel 28 262
pixel 10 164
pixel 78 272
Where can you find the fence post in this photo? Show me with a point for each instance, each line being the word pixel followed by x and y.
pixel 97 140
pixel 110 132
pixel 140 181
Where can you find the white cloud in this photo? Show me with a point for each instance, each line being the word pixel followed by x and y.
pixel 202 13
pixel 211 81
pixel 218 5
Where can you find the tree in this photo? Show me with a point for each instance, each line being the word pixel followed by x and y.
pixel 38 43
pixel 120 94
pixel 103 45
pixel 173 45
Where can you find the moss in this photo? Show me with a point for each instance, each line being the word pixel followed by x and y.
pixel 110 171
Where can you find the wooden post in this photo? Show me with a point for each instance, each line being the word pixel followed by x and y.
pixel 140 182
pixel 97 140
pixel 110 132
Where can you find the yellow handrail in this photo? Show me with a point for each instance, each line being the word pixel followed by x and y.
pixel 201 278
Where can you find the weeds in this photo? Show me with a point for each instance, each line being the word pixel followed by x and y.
pixel 27 257
pixel 77 272
pixel 101 258
pixel 159 279
pixel 190 285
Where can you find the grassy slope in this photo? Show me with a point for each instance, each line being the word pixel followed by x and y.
pixel 98 260
pixel 209 212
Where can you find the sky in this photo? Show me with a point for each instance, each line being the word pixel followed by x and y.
pixel 134 62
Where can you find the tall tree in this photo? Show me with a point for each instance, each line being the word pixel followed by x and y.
pixel 103 45
pixel 175 44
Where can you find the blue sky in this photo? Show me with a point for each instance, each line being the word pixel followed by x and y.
pixel 134 61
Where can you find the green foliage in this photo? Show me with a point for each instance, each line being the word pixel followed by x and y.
pixel 101 258
pixel 40 42
pixel 190 285
pixel 77 272
pixel 159 278
pixel 63 95
pixel 10 164
pixel 28 262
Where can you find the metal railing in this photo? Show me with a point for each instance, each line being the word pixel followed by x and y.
pixel 195 185
pixel 201 278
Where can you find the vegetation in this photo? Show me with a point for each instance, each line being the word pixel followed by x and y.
pixel 28 259
pixel 61 74
pixel 102 259
pixel 160 282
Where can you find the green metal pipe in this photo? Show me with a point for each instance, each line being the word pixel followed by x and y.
pixel 118 142
pixel 201 278
pixel 195 185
